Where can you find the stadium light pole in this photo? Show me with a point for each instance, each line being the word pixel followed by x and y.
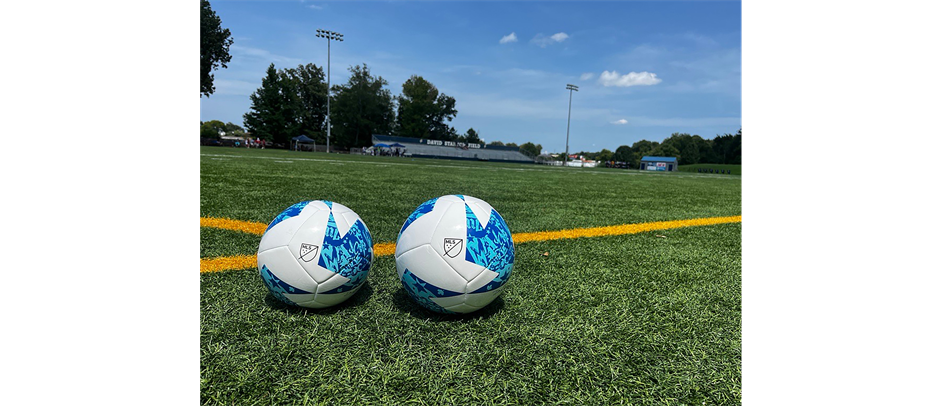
pixel 570 88
pixel 336 36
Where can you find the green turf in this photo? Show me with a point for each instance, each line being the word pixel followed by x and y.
pixel 652 318
pixel 730 169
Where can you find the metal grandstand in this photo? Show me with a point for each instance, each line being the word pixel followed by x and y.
pixel 423 148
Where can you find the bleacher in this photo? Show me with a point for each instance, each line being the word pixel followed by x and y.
pixel 422 148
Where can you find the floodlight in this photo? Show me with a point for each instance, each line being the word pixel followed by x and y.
pixel 336 36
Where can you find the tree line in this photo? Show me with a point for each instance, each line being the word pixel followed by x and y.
pixel 293 101
pixel 688 149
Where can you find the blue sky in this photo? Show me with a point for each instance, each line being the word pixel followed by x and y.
pixel 644 69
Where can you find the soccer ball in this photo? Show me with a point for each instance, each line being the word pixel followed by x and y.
pixel 454 254
pixel 315 254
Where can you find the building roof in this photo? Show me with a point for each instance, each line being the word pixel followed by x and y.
pixel 659 159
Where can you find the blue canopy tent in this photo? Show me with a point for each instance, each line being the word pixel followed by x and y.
pixel 381 145
pixel 302 139
pixel 397 145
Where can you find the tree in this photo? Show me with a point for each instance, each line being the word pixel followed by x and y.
pixel 215 128
pixel 423 111
pixel 737 149
pixel 705 148
pixel 604 155
pixel 291 102
pixel 496 143
pixel 667 150
pixel 686 147
pixel 212 129
pixel 306 83
pixel 639 150
pixel 728 148
pixel 622 154
pixel 273 113
pixel 512 144
pixel 214 47
pixel 531 150
pixel 234 130
pixel 360 108
pixel 472 137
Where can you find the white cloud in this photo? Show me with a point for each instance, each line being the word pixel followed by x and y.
pixel 630 79
pixel 622 121
pixel 257 53
pixel 686 122
pixel 543 41
pixel 316 7
pixel 700 39
pixel 497 105
pixel 586 76
pixel 509 38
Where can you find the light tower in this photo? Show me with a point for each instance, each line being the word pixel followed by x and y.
pixel 336 36
pixel 571 88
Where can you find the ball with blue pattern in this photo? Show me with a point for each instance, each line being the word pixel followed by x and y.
pixel 454 254
pixel 315 254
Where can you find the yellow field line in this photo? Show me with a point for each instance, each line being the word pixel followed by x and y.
pixel 384 249
pixel 236 225
pixel 227 263
pixel 621 229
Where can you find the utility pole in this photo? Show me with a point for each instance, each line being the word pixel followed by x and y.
pixel 570 88
pixel 336 36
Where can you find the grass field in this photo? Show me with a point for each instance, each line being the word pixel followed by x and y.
pixel 731 169
pixel 646 318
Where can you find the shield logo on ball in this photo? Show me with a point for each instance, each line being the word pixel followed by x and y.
pixel 453 246
pixel 308 252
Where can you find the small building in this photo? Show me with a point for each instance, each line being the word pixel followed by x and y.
pixel 658 163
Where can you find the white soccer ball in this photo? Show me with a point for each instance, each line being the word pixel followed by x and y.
pixel 315 254
pixel 454 254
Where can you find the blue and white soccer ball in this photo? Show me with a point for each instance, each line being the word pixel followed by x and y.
pixel 454 254
pixel 315 254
